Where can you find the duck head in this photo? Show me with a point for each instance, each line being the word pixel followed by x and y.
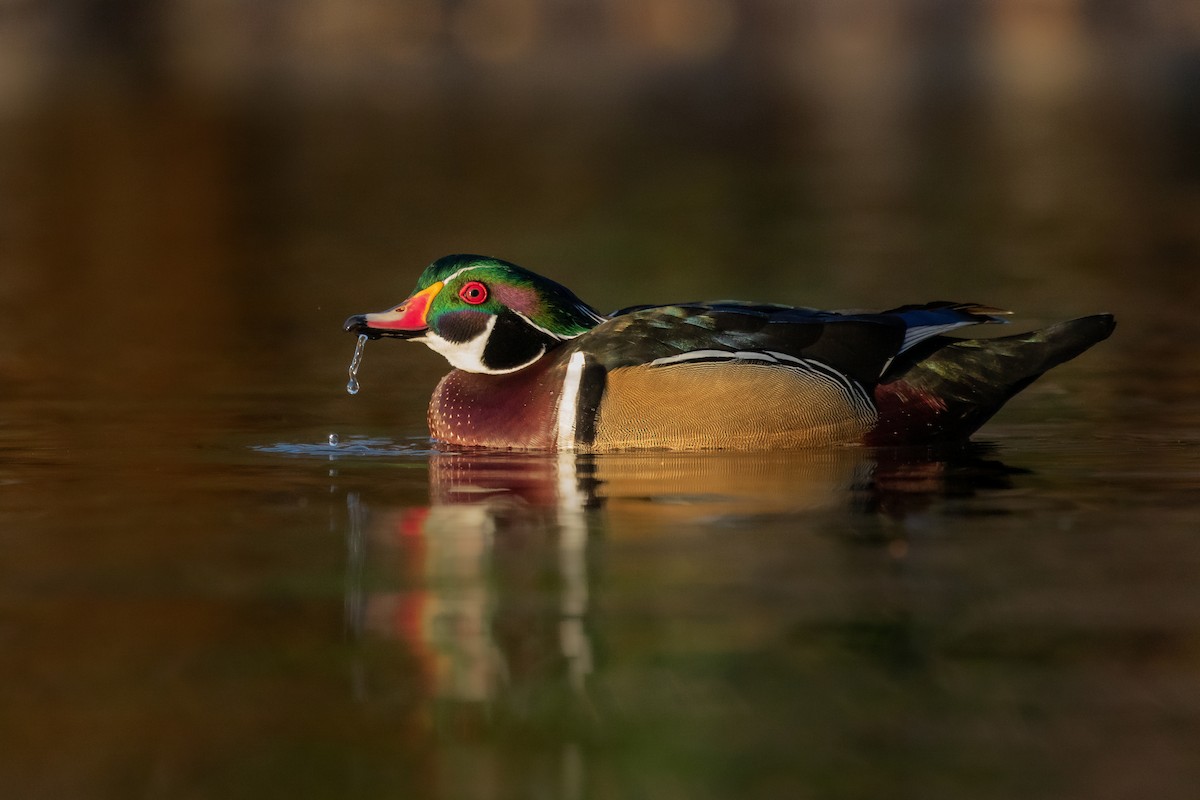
pixel 483 314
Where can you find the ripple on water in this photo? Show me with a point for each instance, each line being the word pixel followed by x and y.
pixel 352 447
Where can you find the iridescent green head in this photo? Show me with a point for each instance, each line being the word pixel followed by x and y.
pixel 483 314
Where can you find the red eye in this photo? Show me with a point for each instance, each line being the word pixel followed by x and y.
pixel 473 292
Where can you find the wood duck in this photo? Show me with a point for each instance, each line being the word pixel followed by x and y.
pixel 536 368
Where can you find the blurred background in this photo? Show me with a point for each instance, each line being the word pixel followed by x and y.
pixel 206 169
pixel 195 193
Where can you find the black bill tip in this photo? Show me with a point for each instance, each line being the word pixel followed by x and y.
pixel 358 324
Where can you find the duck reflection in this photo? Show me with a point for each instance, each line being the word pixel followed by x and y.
pixel 649 489
pixel 488 593
pixel 489 585
pixel 657 489
pixel 493 602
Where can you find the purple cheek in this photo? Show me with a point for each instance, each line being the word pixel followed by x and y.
pixel 518 299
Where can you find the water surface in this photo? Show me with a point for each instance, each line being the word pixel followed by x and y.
pixel 239 611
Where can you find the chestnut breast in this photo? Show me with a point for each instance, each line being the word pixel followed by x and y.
pixel 516 410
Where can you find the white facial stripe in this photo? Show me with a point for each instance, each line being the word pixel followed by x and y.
pixel 568 402
pixel 458 272
pixel 581 308
pixel 560 337
pixel 585 310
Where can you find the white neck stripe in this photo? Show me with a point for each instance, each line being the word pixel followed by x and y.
pixel 568 402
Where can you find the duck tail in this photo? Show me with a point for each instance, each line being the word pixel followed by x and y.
pixel 944 389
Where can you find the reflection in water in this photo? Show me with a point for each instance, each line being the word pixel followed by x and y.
pixel 455 574
pixel 488 590
pixel 664 486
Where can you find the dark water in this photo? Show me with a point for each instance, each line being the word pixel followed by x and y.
pixel 200 596
pixel 239 609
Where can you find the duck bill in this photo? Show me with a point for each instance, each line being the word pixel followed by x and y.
pixel 405 321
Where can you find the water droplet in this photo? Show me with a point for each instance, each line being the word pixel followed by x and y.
pixel 352 384
pixel 333 440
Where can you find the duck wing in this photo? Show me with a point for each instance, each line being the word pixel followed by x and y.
pixel 858 345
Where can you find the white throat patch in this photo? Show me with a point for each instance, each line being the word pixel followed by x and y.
pixel 468 356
